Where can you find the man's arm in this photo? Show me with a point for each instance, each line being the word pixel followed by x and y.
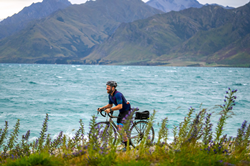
pixel 106 106
pixel 118 107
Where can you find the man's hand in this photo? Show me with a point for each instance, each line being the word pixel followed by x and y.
pixel 107 110
pixel 99 109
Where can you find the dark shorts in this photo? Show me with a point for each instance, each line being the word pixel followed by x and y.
pixel 121 116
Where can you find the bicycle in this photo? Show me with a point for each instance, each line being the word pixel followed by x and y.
pixel 135 134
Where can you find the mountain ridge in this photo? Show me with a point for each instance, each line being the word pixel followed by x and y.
pixel 173 5
pixel 35 11
pixel 129 32
pixel 69 33
pixel 195 35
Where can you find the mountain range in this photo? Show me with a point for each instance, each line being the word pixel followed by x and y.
pixel 36 11
pixel 69 33
pixel 208 35
pixel 177 5
pixel 133 33
pixel 173 5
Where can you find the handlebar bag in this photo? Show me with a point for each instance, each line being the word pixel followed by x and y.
pixel 142 115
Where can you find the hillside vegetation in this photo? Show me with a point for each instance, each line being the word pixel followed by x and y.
pixel 69 33
pixel 210 35
pixel 129 32
pixel 35 11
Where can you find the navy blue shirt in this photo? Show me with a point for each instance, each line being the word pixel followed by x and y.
pixel 118 98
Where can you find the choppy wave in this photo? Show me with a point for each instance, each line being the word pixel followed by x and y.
pixel 32 82
pixel 239 84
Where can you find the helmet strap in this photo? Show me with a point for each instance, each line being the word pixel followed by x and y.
pixel 112 93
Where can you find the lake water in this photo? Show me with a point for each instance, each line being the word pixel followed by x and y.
pixel 72 92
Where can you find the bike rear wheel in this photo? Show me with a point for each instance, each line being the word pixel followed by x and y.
pixel 138 131
pixel 104 133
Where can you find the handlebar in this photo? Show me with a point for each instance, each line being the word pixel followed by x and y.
pixel 109 114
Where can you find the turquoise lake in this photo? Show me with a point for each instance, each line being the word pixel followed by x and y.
pixel 72 92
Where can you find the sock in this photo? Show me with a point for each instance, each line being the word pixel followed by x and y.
pixel 126 143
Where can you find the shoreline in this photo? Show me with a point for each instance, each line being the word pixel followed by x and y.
pixel 201 64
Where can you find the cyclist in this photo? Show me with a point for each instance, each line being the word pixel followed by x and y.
pixel 121 104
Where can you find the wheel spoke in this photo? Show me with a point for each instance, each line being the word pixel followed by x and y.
pixel 138 130
pixel 137 133
pixel 105 133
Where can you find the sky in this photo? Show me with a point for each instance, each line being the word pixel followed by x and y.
pixel 10 7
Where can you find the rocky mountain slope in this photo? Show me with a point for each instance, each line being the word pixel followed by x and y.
pixel 38 10
pixel 177 5
pixel 173 5
pixel 208 35
pixel 68 34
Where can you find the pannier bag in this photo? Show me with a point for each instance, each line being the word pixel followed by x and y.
pixel 142 115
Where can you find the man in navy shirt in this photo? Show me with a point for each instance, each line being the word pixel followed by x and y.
pixel 121 104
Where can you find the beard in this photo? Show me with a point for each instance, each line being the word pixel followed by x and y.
pixel 109 91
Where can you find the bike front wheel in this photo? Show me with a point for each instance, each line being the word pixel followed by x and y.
pixel 138 131
pixel 104 133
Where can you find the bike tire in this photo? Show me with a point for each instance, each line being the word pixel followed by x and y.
pixel 103 136
pixel 137 133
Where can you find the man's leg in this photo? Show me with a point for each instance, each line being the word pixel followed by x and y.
pixel 120 126
pixel 124 135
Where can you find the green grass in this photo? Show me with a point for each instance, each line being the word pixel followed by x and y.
pixel 42 159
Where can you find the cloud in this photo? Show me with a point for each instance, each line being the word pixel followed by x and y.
pixel 77 1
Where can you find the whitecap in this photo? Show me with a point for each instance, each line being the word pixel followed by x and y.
pixel 215 82
pixel 230 71
pixel 58 76
pixel 73 66
pixel 33 139
pixel 170 71
pixel 156 75
pixel 244 84
pixel 122 70
pixel 44 83
pixel 78 69
pixel 59 115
